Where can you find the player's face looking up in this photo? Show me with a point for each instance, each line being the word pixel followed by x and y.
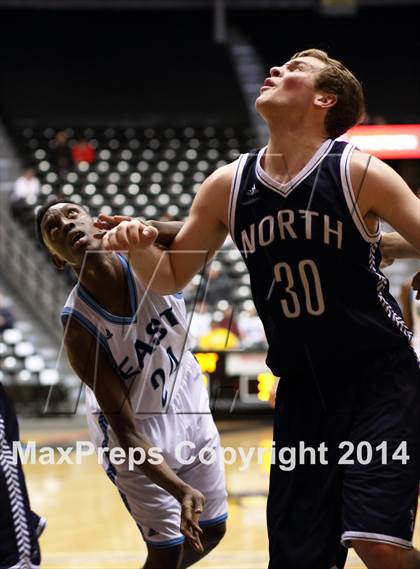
pixel 311 93
pixel 289 85
pixel 68 231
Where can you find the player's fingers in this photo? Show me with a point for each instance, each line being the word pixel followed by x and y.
pixel 114 219
pixel 121 236
pixel 133 234
pixel 109 221
pixel 192 536
pixel 115 240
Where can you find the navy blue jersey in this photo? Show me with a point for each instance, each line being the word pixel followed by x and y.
pixel 313 263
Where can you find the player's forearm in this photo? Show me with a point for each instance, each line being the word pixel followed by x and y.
pixel 153 267
pixel 168 230
pixel 393 245
pixel 160 473
pixel 113 399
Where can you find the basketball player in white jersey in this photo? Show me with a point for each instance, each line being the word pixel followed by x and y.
pixel 304 212
pixel 144 389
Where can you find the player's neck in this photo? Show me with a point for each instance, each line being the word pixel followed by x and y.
pixel 288 152
pixel 104 278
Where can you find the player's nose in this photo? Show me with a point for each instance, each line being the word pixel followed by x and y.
pixel 276 71
pixel 67 226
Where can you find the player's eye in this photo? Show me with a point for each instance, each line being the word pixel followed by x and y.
pixel 72 212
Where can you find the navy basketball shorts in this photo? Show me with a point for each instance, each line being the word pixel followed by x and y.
pixel 19 526
pixel 361 480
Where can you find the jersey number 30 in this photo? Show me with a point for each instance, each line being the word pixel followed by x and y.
pixel 311 282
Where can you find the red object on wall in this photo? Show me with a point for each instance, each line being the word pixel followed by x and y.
pixel 386 141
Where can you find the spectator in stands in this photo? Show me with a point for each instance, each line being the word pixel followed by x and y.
pixel 219 285
pixel 251 329
pixel 200 323
pixel 25 192
pixel 83 151
pixel 218 338
pixel 26 186
pixel 229 322
pixel 60 152
pixel 7 317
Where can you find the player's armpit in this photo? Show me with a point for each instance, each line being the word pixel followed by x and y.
pixel 383 193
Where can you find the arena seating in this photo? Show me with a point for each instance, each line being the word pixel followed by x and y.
pixel 28 373
pixel 148 172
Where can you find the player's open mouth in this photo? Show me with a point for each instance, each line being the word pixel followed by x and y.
pixel 78 239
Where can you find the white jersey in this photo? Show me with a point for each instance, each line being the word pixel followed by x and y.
pixel 149 349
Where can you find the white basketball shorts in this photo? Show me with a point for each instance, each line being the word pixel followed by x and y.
pixel 185 430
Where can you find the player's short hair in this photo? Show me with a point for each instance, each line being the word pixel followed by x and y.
pixel 42 210
pixel 336 78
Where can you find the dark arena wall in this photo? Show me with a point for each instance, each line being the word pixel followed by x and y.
pixel 118 67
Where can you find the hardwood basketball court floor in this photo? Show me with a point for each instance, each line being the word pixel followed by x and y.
pixel 89 527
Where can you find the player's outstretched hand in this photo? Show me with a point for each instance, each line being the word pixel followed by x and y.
pixel 192 505
pixel 416 284
pixel 129 235
pixel 107 222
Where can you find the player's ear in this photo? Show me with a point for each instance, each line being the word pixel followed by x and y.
pixel 58 263
pixel 325 100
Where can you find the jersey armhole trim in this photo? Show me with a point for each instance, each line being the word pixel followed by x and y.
pixel 87 325
pixel 234 190
pixel 350 197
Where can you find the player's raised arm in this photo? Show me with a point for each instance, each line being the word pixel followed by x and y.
pixel 384 193
pixel 93 366
pixel 202 234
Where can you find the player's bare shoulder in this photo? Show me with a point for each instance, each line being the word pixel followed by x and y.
pixel 369 170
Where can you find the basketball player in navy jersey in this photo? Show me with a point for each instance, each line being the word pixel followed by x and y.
pixel 304 212
pixel 144 389
pixel 20 527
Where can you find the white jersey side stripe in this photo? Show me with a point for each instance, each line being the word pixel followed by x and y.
pixel 234 190
pixel 350 197
pixel 16 498
pixel 389 311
